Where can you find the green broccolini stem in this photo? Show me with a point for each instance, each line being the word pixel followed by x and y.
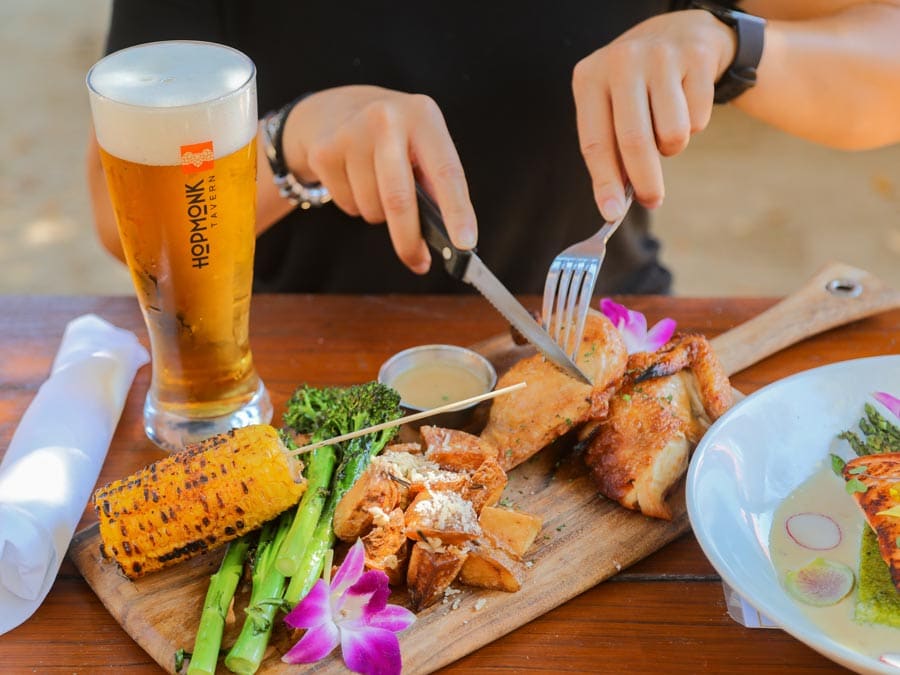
pixel 319 472
pixel 357 455
pixel 265 599
pixel 222 585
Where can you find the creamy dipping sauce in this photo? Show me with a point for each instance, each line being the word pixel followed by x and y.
pixel 430 385
pixel 825 493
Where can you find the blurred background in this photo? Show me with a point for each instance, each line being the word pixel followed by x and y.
pixel 749 211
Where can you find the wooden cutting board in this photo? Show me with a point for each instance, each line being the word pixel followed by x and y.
pixel 585 538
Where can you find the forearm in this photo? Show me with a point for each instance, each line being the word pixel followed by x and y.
pixel 270 205
pixel 834 79
pixel 104 216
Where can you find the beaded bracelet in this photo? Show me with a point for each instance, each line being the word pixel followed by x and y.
pixel 289 186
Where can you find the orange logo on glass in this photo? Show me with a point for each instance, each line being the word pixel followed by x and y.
pixel 197 157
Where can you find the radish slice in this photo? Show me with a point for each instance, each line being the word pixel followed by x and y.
pixel 814 531
pixel 821 583
pixel 891 659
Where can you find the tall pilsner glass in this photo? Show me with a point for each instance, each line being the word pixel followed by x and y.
pixel 176 123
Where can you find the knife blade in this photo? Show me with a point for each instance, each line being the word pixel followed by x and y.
pixel 468 267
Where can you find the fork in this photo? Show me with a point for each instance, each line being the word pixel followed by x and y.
pixel 570 284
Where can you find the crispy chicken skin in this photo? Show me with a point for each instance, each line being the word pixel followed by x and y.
pixel 667 401
pixel 523 422
pixel 881 476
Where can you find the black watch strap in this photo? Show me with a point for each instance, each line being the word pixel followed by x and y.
pixel 750 32
pixel 289 186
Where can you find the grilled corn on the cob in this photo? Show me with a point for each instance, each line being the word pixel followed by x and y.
pixel 197 499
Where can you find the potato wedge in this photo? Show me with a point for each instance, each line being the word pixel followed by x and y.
pixel 353 514
pixel 431 571
pixel 411 448
pixel 441 517
pixel 513 530
pixel 485 485
pixel 414 473
pixel 455 450
pixel 488 565
pixel 387 547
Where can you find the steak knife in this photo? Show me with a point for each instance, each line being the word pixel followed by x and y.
pixel 467 266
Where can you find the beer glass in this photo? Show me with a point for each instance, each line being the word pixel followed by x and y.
pixel 176 124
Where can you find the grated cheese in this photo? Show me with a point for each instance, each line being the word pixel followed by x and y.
pixel 448 511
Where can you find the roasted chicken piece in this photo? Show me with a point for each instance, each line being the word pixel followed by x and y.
pixel 553 403
pixel 667 401
pixel 880 502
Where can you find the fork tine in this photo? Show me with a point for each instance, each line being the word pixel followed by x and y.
pixel 584 302
pixel 550 287
pixel 562 295
pixel 568 318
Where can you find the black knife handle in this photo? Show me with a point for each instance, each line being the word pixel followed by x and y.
pixel 435 233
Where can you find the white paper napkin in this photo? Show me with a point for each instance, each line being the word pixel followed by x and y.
pixel 54 458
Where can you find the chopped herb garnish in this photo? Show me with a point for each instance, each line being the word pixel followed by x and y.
pixel 855 485
pixel 837 465
pixel 856 470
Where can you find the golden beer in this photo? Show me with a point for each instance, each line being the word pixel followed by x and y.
pixel 176 125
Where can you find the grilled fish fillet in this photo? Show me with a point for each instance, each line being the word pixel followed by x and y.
pixel 553 403
pixel 881 476
pixel 667 401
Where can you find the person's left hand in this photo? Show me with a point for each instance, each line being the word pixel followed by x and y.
pixel 642 97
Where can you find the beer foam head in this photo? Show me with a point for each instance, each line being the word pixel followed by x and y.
pixel 150 100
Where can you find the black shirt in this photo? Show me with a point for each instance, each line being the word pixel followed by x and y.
pixel 501 74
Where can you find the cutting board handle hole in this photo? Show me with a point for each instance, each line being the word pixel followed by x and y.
pixel 844 288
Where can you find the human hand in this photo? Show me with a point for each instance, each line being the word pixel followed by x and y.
pixel 642 97
pixel 368 145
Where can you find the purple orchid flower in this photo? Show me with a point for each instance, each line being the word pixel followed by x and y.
pixel 632 326
pixel 351 611
pixel 892 403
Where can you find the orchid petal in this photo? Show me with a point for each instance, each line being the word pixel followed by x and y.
pixel 313 610
pixel 890 402
pixel 316 644
pixel 368 650
pixel 393 618
pixel 632 327
pixel 636 324
pixel 350 570
pixel 659 335
pixel 613 311
pixel 372 587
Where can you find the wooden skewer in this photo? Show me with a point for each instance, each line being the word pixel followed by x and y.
pixel 450 407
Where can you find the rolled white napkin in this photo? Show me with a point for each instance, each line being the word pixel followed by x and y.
pixel 55 456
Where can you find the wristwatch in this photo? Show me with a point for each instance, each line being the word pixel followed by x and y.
pixel 289 186
pixel 750 33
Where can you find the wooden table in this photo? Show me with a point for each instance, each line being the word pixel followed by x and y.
pixel 665 614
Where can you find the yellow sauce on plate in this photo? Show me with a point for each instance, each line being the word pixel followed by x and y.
pixel 824 493
pixel 430 385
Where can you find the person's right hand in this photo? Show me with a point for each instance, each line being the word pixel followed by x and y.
pixel 368 146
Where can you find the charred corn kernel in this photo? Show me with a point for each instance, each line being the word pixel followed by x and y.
pixel 197 499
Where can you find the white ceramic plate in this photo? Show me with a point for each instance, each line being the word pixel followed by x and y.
pixel 755 456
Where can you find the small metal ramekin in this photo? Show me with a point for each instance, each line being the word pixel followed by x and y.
pixel 472 361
